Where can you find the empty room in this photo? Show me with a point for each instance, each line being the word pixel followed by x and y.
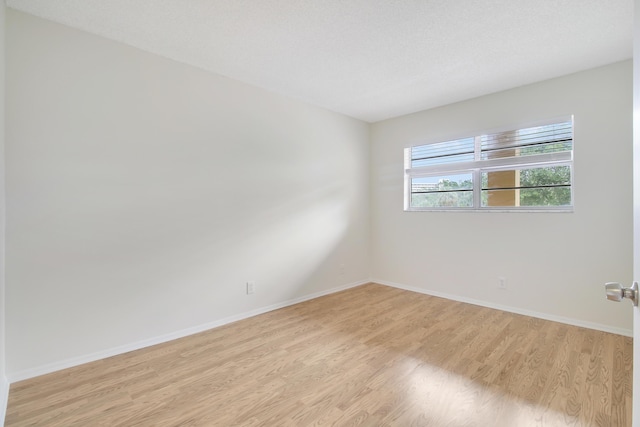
pixel 310 213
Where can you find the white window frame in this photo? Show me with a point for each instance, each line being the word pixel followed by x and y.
pixel 477 166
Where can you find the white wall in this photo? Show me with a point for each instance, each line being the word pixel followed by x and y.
pixel 4 384
pixel 143 193
pixel 555 263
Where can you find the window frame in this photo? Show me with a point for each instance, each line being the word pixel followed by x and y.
pixel 478 166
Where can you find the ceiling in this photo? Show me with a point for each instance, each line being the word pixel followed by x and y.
pixel 369 59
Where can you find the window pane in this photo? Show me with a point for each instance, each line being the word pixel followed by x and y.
pixel 442 191
pixel 546 186
pixel 460 150
pixel 524 142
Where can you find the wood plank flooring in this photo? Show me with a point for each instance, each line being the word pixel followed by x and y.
pixel 369 356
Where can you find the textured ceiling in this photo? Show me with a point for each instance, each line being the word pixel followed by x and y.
pixel 369 59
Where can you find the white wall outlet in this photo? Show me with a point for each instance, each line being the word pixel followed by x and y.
pixel 502 283
pixel 251 287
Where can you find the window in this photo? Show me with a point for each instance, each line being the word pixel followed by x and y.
pixel 524 169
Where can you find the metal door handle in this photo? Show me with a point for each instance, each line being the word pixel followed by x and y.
pixel 615 292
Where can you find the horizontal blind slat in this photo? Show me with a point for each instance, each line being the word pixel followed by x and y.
pixel 454 151
pixel 540 139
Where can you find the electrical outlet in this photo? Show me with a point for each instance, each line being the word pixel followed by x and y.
pixel 251 287
pixel 502 283
pixel 342 269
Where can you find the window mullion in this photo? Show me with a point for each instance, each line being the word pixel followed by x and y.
pixel 477 176
pixel 477 188
pixel 477 150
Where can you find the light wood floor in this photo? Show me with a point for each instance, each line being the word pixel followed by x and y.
pixel 368 356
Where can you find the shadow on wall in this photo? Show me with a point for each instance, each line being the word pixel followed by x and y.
pixel 188 265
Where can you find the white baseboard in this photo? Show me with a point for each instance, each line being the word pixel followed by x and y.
pixel 545 316
pixel 4 399
pixel 68 363
pixel 75 361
